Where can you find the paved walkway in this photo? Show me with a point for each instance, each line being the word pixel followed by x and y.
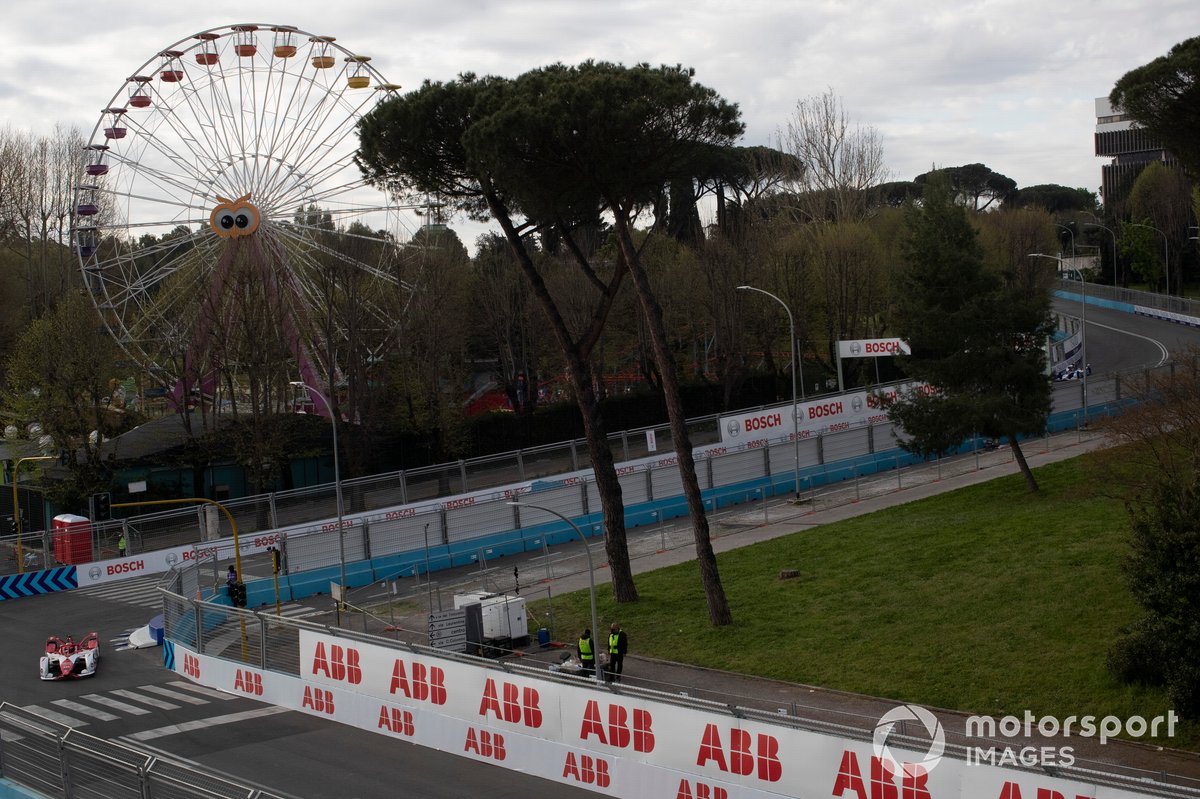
pixel 658 546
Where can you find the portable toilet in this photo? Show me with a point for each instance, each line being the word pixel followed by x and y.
pixel 72 538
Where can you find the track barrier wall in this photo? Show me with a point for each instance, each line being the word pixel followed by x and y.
pixel 613 739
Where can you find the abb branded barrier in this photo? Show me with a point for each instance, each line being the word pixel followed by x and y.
pixel 613 744
pixel 826 415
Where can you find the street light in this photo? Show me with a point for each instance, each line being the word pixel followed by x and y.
pixel 795 407
pixel 1072 232
pixel 17 509
pixel 591 575
pixel 1082 325
pixel 337 488
pixel 1166 252
pixel 1114 245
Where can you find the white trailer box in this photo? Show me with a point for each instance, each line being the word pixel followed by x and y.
pixel 502 617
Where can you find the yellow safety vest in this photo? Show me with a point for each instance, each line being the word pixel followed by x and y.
pixel 613 641
pixel 585 649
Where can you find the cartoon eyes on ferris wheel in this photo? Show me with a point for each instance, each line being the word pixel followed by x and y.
pixel 234 218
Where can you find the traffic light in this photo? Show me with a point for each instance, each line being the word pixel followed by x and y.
pixel 12 525
pixel 237 594
pixel 101 503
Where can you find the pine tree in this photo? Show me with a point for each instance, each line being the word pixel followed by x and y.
pixel 975 336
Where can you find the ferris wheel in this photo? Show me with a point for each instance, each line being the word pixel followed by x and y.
pixel 221 223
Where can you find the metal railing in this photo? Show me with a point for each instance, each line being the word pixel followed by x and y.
pixel 55 760
pixel 381 526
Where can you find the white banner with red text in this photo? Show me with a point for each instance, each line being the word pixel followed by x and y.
pixel 613 744
pixel 873 348
pixel 826 415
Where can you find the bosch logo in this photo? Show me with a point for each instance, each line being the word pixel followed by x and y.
pixel 172 559
pixel 856 404
pixel 94 572
pixel 855 348
pixel 825 410
pixel 734 427
pixel 884 347
pixel 763 422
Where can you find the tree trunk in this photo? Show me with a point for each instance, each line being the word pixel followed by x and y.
pixel 608 486
pixel 579 371
pixel 718 605
pixel 1030 480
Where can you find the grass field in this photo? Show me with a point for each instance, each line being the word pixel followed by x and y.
pixel 987 599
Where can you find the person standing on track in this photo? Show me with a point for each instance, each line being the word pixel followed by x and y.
pixel 587 654
pixel 618 643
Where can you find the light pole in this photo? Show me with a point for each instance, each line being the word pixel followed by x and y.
pixel 591 575
pixel 1166 252
pixel 1114 245
pixel 337 489
pixel 1072 234
pixel 17 509
pixel 795 407
pixel 1082 325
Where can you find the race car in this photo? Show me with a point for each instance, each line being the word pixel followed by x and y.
pixel 68 659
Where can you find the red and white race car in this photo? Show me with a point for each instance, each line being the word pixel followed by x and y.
pixel 67 659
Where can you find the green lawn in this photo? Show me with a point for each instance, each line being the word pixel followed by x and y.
pixel 986 599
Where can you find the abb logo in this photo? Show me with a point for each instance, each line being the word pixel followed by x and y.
pixel 1012 790
pixel 763 422
pixel 512 704
pixel 191 666
pixel 396 720
pixel 702 790
pixel 127 566
pixel 248 682
pixel 339 664
pixel 742 759
pixel 618 731
pixel 318 699
pixel 825 409
pixel 883 780
pixel 485 743
pixel 427 684
pixel 587 770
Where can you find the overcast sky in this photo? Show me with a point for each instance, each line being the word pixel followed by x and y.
pixel 1009 83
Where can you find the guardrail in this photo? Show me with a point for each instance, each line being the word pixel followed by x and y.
pixel 53 759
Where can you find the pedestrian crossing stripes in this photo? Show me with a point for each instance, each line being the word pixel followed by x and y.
pixel 87 710
pixel 139 591
pixel 143 592
pixel 145 700
pixel 191 726
pixel 81 711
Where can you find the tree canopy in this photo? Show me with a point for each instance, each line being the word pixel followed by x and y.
pixel 1164 98
pixel 1054 198
pixel 974 184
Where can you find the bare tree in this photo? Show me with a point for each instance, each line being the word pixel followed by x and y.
pixel 840 161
